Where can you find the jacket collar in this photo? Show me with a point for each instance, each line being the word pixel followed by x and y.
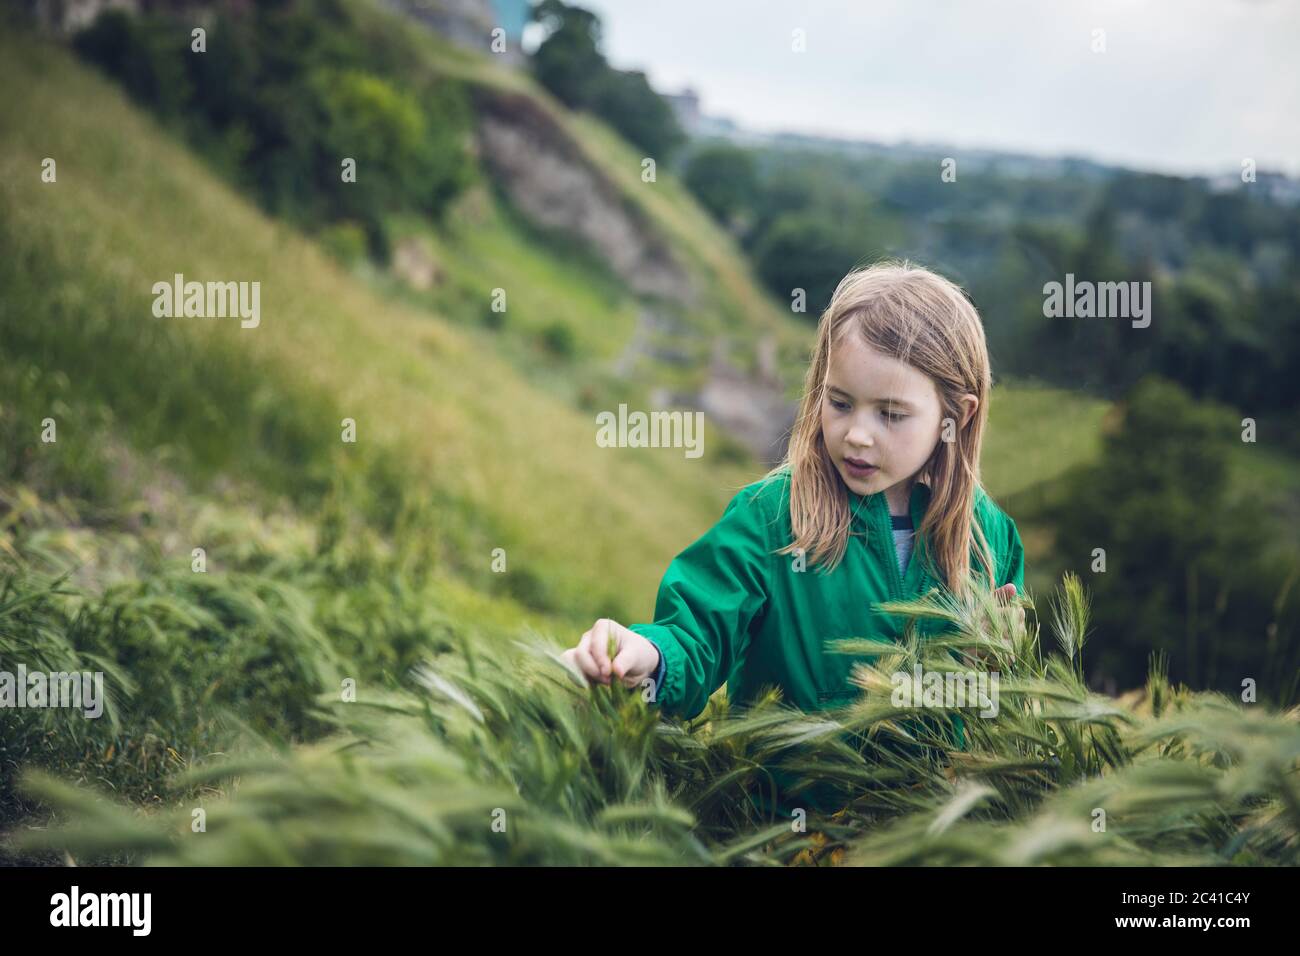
pixel 866 510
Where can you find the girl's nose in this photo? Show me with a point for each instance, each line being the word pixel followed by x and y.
pixel 859 437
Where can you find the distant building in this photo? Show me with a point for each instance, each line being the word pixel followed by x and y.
pixel 686 106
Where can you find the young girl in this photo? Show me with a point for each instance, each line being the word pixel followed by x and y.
pixel 878 499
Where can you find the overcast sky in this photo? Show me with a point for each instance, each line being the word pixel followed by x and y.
pixel 1190 86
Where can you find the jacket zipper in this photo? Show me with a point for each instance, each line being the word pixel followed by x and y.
pixel 886 534
pixel 896 576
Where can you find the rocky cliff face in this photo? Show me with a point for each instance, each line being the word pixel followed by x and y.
pixel 549 179
pixel 751 408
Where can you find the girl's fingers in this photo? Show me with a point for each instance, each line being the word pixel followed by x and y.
pixel 571 658
pixel 624 678
pixel 599 645
pixel 592 655
pixel 624 663
pixel 582 653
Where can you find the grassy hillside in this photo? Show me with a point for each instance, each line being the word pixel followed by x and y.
pixel 130 207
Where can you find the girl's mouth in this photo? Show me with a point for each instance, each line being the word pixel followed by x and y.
pixel 860 469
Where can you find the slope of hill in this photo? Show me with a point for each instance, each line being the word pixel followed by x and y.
pixel 130 208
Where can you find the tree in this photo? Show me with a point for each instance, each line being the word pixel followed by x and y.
pixel 1185 571
pixel 724 179
pixel 568 62
pixel 570 65
pixel 626 102
pixel 801 251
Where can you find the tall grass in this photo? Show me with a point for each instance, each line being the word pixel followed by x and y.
pixel 287 610
pixel 499 754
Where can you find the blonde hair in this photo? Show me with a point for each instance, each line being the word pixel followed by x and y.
pixel 922 319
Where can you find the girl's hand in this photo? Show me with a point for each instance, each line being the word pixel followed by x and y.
pixel 634 659
pixel 1004 596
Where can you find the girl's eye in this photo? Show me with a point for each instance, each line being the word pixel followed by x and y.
pixel 893 416
pixel 842 406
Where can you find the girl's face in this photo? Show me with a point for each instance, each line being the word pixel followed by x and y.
pixel 882 413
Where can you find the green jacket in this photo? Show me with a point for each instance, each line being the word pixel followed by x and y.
pixel 729 609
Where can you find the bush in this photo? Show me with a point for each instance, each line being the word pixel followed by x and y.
pixel 345 241
pixel 284 94
pixel 558 339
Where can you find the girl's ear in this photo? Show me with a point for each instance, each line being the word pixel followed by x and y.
pixel 969 404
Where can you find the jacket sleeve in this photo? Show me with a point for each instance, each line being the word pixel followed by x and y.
pixel 659 674
pixel 707 599
pixel 1014 572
